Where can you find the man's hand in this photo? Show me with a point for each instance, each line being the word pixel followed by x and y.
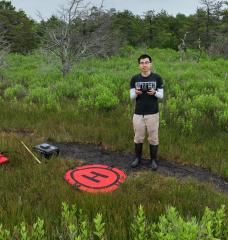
pixel 138 91
pixel 151 92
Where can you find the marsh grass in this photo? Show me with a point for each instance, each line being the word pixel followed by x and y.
pixel 205 147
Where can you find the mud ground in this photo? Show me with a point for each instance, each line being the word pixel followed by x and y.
pixel 91 153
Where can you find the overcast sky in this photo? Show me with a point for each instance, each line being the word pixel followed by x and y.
pixel 51 7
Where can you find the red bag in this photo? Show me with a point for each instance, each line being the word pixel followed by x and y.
pixel 3 159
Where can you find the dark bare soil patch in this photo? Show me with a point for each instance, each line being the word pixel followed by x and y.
pixel 20 132
pixel 91 153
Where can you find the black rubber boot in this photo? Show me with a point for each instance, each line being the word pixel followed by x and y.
pixel 138 155
pixel 153 156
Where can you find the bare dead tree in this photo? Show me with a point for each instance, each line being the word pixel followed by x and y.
pixel 200 51
pixel 4 49
pixel 59 39
pixel 182 47
pixel 79 32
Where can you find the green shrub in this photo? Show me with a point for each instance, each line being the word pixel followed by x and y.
pixel 99 227
pixel 207 104
pixel 16 92
pixel 4 233
pixel 75 224
pixel 99 97
pixel 69 89
pixel 223 118
pixel 106 100
pixel 138 227
pixel 38 231
pixel 126 50
pixel 170 226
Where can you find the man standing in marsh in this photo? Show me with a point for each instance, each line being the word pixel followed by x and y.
pixel 146 88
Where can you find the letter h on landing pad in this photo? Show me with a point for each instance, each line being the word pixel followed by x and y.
pixel 94 178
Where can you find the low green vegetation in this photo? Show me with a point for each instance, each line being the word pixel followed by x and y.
pixel 75 225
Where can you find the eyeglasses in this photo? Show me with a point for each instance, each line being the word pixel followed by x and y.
pixel 146 62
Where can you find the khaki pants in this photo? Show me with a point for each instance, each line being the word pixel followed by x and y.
pixel 149 122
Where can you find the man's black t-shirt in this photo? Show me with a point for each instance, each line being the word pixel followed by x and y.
pixel 146 104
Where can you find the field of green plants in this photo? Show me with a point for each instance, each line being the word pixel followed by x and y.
pixel 195 92
pixel 76 226
pixel 92 105
pixel 194 113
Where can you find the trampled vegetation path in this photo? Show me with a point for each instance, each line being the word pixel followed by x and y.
pixel 91 153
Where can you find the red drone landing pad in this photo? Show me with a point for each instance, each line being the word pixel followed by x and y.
pixel 95 178
pixel 3 159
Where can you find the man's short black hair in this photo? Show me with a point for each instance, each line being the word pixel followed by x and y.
pixel 143 56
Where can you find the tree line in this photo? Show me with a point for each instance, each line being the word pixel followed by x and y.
pixel 81 30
